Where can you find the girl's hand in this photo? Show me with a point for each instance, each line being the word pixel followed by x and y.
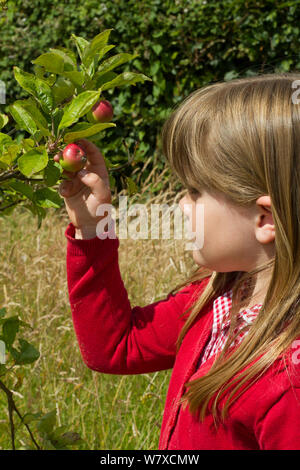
pixel 86 190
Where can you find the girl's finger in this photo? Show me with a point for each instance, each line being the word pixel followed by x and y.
pixel 57 157
pixel 98 186
pixel 65 188
pixel 70 187
pixel 96 162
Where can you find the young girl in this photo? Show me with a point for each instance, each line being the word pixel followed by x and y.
pixel 231 332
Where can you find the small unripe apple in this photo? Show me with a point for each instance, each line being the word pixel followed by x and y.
pixel 102 111
pixel 73 158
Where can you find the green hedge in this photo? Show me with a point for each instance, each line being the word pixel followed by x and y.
pixel 182 45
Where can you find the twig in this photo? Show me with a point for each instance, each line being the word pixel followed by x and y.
pixel 10 205
pixel 12 131
pixel 18 175
pixel 11 408
pixel 7 175
pixel 10 412
pixel 52 125
pixel 130 158
pixel 24 178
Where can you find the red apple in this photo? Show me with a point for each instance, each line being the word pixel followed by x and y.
pixel 73 158
pixel 102 111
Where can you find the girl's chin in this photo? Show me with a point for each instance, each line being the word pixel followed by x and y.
pixel 197 257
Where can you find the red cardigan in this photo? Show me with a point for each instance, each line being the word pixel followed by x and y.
pixel 115 338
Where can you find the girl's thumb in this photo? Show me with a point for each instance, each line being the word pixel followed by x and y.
pixel 91 180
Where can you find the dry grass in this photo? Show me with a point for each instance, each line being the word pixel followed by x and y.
pixel 109 412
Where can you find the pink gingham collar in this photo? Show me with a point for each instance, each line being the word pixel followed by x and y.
pixel 222 306
pixel 221 323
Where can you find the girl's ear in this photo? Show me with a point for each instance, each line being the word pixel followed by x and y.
pixel 264 228
pixel 265 202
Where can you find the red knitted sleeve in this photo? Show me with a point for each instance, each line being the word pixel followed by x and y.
pixel 113 337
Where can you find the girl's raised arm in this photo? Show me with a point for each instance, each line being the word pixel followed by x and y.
pixel 113 337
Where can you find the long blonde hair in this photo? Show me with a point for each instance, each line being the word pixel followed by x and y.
pixel 242 138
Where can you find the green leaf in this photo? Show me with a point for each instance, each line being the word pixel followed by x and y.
pixel 27 113
pixel 96 46
pixel 101 79
pixel 285 65
pixel 104 50
pixel 125 78
pixel 62 90
pixel 3 120
pixel 112 181
pixel 99 41
pixel 3 165
pixel 131 186
pixel 31 106
pixel 3 369
pixel 79 106
pixel 33 161
pixel 39 71
pixel 22 188
pixel 68 56
pixel 47 422
pixel 76 77
pixel 40 212
pixel 23 118
pixel 2 312
pixel 52 62
pixel 37 87
pixel 48 197
pixel 5 141
pixel 57 432
pixel 68 438
pixel 47 445
pixel 52 173
pixel 230 75
pixel 10 154
pixel 10 328
pixel 29 417
pixel 114 61
pixel 56 117
pixel 26 354
pixel 81 44
pixel 27 144
pixel 157 48
pixel 84 130
pixel 50 80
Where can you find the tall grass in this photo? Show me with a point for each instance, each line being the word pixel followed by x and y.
pixel 109 411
